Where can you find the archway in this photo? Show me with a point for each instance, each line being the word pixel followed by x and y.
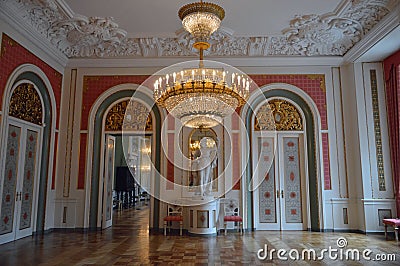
pixel 97 115
pixel 312 119
pixel 35 81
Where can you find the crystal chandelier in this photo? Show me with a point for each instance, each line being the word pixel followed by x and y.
pixel 201 97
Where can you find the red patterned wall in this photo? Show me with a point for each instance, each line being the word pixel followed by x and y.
pixel 236 162
pixel 326 163
pixel 82 161
pixel 313 85
pixel 393 108
pixel 53 179
pixel 94 86
pixel 170 165
pixel 13 55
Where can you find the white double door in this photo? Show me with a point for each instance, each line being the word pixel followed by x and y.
pixel 279 181
pixel 19 179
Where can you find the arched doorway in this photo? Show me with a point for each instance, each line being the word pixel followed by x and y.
pixel 279 163
pixel 95 164
pixel 27 137
pixel 132 137
pixel 311 138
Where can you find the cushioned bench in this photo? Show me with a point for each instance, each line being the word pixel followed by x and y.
pixel 396 225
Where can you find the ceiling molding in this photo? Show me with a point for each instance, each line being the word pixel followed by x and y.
pixel 76 36
pixel 42 45
pixel 385 26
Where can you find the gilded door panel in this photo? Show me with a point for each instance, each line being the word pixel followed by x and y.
pixel 10 180
pixel 292 180
pixel 28 179
pixel 267 201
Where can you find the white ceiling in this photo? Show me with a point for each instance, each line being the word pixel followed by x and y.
pixel 159 18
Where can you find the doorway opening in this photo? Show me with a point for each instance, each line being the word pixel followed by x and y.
pixel 125 159
pixel 126 181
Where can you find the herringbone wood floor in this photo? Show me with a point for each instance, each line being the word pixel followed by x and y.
pixel 128 242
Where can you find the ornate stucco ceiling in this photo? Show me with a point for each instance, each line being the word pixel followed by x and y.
pixel 83 29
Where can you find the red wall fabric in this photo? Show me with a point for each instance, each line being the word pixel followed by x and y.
pixel 313 85
pixel 236 177
pixel 82 158
pixel 326 162
pixel 94 86
pixel 392 81
pixel 14 55
pixel 392 59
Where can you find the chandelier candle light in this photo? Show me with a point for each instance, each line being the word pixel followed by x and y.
pixel 201 97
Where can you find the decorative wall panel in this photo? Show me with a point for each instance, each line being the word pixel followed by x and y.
pixel 170 165
pixel 292 182
pixel 345 216
pixel 384 214
pixel 236 178
pixel 25 104
pixel 53 175
pixel 203 219
pixel 10 176
pixel 267 188
pixel 82 161
pixel 326 162
pixel 278 115
pixel 28 179
pixel 129 115
pixel 377 131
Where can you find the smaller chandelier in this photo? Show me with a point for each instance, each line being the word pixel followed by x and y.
pixel 201 97
pixel 201 19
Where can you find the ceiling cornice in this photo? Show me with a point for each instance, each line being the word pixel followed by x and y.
pixel 385 26
pixel 42 45
pixel 310 35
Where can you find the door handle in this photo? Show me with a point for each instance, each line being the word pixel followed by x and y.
pixel 277 194
pixel 282 193
pixel 16 198
pixel 20 196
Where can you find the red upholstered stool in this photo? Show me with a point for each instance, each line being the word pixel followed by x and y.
pixel 392 222
pixel 174 214
pixel 231 214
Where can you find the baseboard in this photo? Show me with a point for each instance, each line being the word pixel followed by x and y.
pixel 356 231
pixel 45 232
pixel 77 230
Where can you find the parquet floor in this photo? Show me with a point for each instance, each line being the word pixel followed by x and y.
pixel 129 243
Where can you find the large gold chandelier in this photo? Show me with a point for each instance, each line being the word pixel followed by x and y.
pixel 201 96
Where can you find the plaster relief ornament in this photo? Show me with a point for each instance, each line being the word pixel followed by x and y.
pixel 77 36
